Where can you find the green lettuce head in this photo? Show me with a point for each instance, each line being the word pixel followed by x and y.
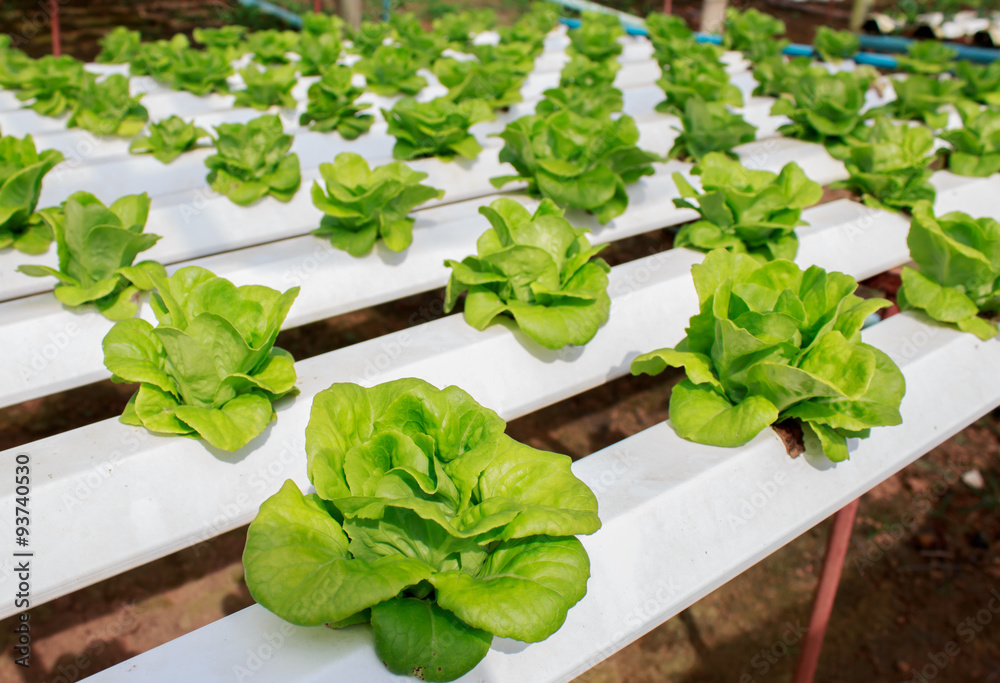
pixel 439 128
pixel 890 167
pixel 824 107
pixel 976 146
pixel 771 343
pixel 331 105
pixel 107 108
pixel 576 162
pixel 22 168
pixel 209 369
pixel 919 98
pixel 362 205
pixel 168 139
pixel 959 276
pixel 708 127
pixel 429 523
pixel 537 268
pixel 97 245
pixel 253 160
pixel 746 211
pixel 597 37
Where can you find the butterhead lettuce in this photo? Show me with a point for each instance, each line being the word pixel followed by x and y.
pixel 959 269
pixel 22 168
pixel 537 268
pixel 97 245
pixel 743 210
pixel 772 342
pixel 429 523
pixel 209 369
pixel 576 162
pixel 252 160
pixel 362 205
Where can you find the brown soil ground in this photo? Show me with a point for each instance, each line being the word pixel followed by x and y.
pixel 905 594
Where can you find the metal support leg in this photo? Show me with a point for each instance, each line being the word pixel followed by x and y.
pixel 54 18
pixel 826 592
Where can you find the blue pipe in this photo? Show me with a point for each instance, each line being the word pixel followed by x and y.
pixel 631 30
pixel 291 18
pixel 879 61
pixel 899 44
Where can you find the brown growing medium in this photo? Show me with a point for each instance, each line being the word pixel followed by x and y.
pixel 906 590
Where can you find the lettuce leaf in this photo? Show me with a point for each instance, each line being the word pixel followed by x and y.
pixel 775 75
pixel 824 108
pixel 369 37
pixel 709 127
pixel 920 98
pixel 927 57
pixel 439 128
pixel 597 37
pixel 976 146
pixel 154 58
pixel 889 168
pixel 53 85
pixel 107 108
pixel 495 83
pixel 226 41
pixel 582 72
pixel 980 82
pixel 168 139
pixel 118 46
pixel 271 46
pixel 391 70
pixel 753 33
pixel 596 102
pixel 198 72
pixel 687 80
pixel 267 87
pixel 835 46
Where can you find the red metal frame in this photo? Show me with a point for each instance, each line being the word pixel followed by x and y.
pixel 826 592
pixel 54 18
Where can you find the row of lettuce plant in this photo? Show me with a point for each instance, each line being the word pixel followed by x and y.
pixel 697 89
